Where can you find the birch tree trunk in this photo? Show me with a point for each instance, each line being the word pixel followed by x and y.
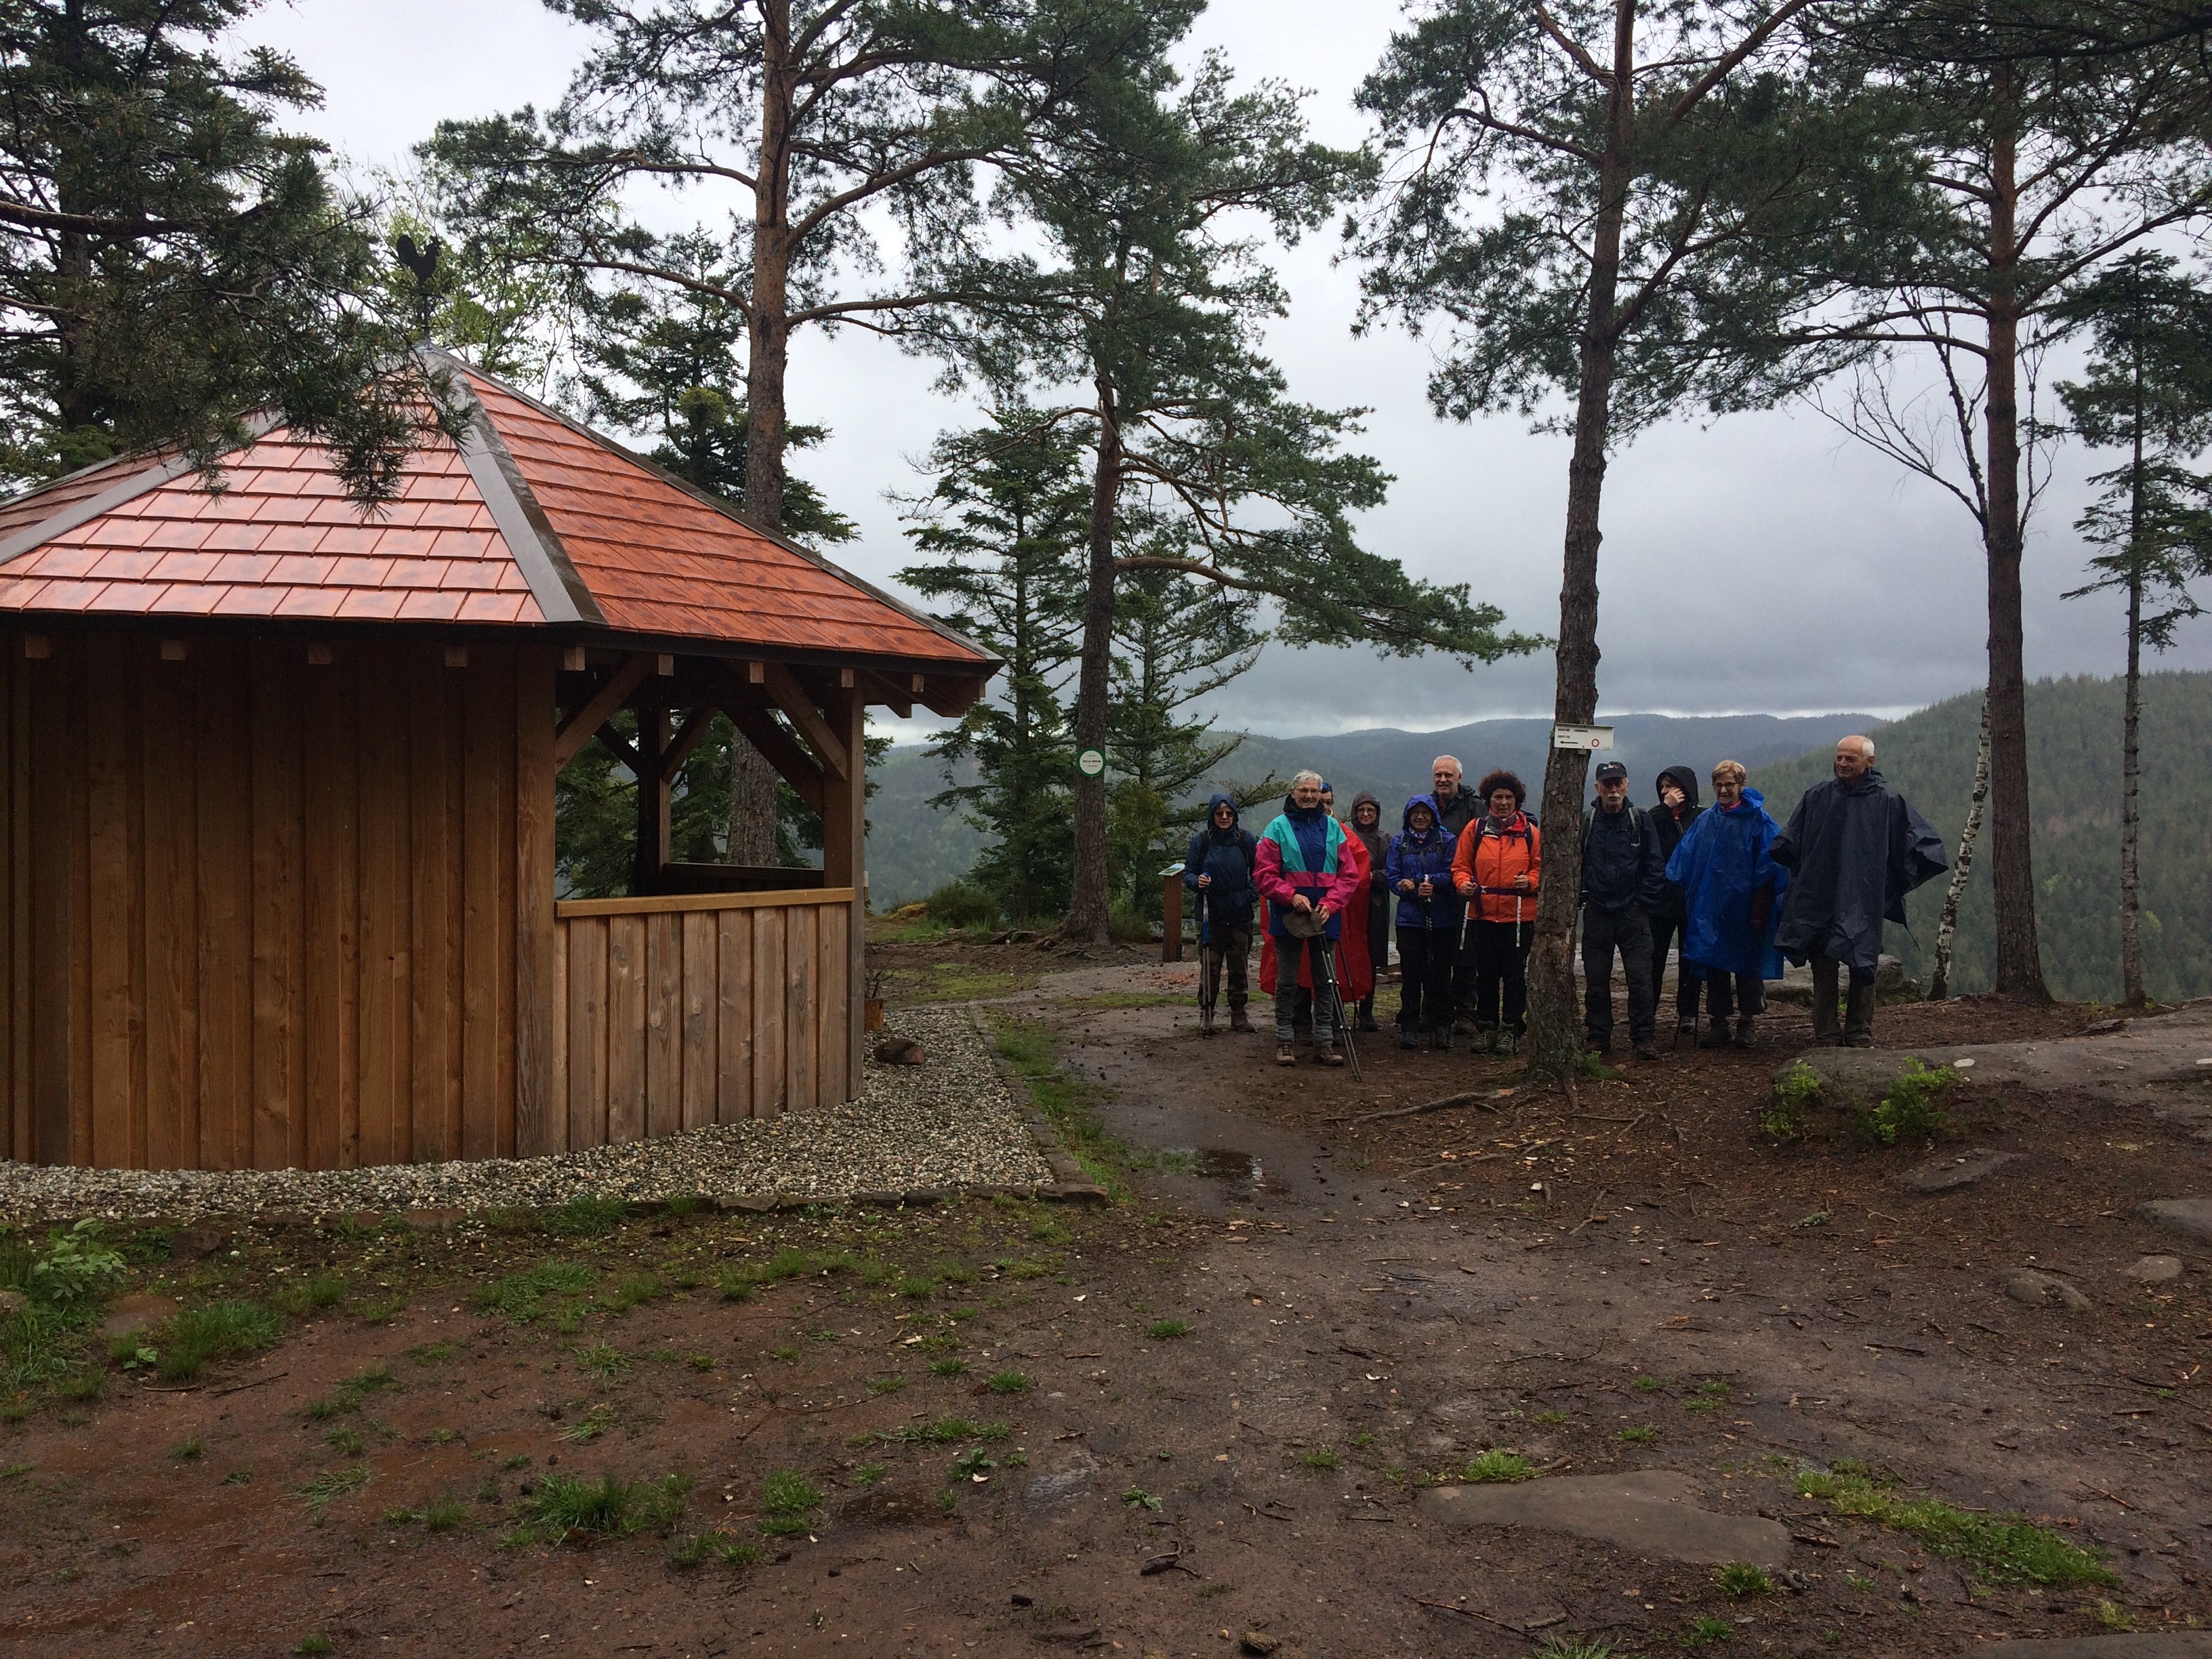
pixel 1939 982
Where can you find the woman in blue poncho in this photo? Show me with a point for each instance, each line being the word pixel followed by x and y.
pixel 1729 881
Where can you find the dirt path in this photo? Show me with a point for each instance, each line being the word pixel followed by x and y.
pixel 1632 1281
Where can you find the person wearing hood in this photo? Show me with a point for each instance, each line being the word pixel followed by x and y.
pixel 1371 906
pixel 1306 868
pixel 1624 875
pixel 1730 883
pixel 1495 867
pixel 1417 871
pixel 1678 808
pixel 1855 849
pixel 1217 868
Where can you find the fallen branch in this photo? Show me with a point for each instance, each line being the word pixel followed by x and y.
pixel 1469 1612
pixel 258 1383
pixel 1480 1098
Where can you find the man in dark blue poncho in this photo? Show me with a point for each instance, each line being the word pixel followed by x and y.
pixel 1855 849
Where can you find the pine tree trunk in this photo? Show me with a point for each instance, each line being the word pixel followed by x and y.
pixel 1939 982
pixel 1554 1023
pixel 2012 866
pixel 1090 901
pixel 753 779
pixel 2131 974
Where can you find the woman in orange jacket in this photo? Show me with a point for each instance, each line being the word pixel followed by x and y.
pixel 1495 867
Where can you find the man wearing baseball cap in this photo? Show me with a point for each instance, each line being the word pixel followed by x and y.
pixel 1623 877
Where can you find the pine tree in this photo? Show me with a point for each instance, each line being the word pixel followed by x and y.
pixel 171 260
pixel 2148 391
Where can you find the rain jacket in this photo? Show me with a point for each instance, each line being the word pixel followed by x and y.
pixel 1489 855
pixel 1413 857
pixel 1226 855
pixel 1622 864
pixel 1723 860
pixel 1671 829
pixel 1464 810
pixel 1307 853
pixel 1375 843
pixel 1857 849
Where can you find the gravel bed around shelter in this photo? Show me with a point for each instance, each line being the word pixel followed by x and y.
pixel 949 1122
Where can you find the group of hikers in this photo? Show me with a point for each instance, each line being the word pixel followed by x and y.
pixel 1732 892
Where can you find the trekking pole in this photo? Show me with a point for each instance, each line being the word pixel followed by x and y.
pixel 1336 1005
pixel 1204 970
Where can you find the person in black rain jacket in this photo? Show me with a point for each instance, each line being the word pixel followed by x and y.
pixel 1218 869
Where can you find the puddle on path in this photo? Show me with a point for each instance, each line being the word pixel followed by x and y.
pixel 1242 1175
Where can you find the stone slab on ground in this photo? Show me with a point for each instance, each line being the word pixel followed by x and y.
pixel 2146 1061
pixel 2155 1269
pixel 2192 1216
pixel 139 1311
pixel 1955 1169
pixel 2044 1290
pixel 2144 1644
pixel 1652 1512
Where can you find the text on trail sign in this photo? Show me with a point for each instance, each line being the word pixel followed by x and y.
pixel 1582 736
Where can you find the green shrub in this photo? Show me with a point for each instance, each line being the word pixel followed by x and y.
pixel 1788 1113
pixel 216 1330
pixel 956 904
pixel 1910 1111
pixel 78 1266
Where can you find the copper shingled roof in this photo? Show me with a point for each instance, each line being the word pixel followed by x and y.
pixel 532 521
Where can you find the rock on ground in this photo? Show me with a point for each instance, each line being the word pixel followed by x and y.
pixel 1650 1512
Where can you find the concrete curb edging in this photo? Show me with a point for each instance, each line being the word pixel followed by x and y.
pixel 1072 1182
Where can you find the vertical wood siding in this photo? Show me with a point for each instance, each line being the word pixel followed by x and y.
pixel 681 1012
pixel 260 913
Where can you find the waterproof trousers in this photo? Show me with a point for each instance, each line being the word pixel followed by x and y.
pixel 1626 931
pixel 1501 973
pixel 1859 1007
pixel 1231 947
pixel 1740 995
pixel 1290 964
pixel 1425 976
pixel 1668 933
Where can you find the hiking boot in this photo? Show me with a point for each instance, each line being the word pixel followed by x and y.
pixel 1367 1023
pixel 1747 1033
pixel 1207 1027
pixel 1485 1039
pixel 1859 1040
pixel 1409 1038
pixel 1715 1036
pixel 1443 1044
pixel 1600 1046
pixel 1647 1050
pixel 1329 1054
pixel 1237 1022
pixel 1684 1028
pixel 1508 1044
pixel 1285 1054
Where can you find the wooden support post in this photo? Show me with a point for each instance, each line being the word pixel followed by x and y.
pixel 844 864
pixel 1171 908
pixel 655 797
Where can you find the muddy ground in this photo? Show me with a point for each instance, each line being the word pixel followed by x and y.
pixel 1218 1400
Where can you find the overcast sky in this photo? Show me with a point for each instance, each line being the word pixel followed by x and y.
pixel 1762 562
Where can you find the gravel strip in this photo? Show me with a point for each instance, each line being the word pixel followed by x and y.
pixel 949 1123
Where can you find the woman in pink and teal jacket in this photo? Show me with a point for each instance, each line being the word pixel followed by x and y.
pixel 1305 865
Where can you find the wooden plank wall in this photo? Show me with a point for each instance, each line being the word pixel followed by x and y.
pixel 260 911
pixel 678 1012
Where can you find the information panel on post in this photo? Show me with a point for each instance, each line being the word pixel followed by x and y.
pixel 1588 737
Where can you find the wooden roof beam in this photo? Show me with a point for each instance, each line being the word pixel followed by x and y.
pixel 791 697
pixel 614 691
pixel 794 764
pixel 941 694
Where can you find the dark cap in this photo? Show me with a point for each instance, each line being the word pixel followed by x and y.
pixel 1609 770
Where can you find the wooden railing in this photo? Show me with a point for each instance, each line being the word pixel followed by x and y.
pixel 676 1012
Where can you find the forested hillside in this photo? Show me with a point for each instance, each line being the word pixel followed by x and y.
pixel 2074 745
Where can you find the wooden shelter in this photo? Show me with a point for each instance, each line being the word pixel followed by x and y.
pixel 277 857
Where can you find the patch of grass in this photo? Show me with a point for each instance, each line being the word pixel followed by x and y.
pixel 1496 1466
pixel 785 1351
pixel 215 1330
pixel 867 1474
pixel 1009 1383
pixel 1550 1419
pixel 683 1206
pixel 1030 1049
pixel 630 1291
pixel 1648 1384
pixel 1166 1330
pixel 1577 1647
pixel 1706 1629
pixel 309 1644
pixel 239 1478
pixel 1642 1434
pixel 2114 1617
pixel 521 1297
pixel 1138 1498
pixel 441 1514
pixel 1741 1579
pixel 947 1367
pixel 566 1507
pixel 939 1432
pixel 334 1483
pixel 191 1447
pixel 593 1424
pixel 1321 1458
pixel 1364 1438
pixel 971 1463
pixel 786 1492
pixel 431 1353
pixel 915 1287
pixel 886 1384
pixel 316 1292
pixel 602 1360
pixel 2002 1548
pixel 1789 1113
pixel 589 1216
pixel 740 1283
pixel 1910 1112
pixel 346 1441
